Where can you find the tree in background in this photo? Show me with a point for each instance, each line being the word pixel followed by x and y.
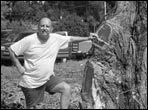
pixel 74 25
pixel 97 9
pixel 31 11
pixel 21 11
pixel 4 12
pixel 38 12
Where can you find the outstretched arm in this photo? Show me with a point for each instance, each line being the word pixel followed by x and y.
pixel 80 39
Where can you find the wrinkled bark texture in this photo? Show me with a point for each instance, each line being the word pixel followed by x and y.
pixel 115 76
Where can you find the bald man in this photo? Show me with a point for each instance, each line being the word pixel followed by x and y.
pixel 40 51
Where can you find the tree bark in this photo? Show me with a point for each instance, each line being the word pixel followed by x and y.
pixel 120 82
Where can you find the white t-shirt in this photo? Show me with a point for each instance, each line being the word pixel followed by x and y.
pixel 39 58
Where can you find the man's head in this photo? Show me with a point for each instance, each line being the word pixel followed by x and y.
pixel 45 28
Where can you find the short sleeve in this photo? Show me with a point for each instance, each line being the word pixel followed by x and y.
pixel 20 46
pixel 63 41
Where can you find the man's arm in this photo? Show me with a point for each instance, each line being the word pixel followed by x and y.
pixel 16 62
pixel 79 39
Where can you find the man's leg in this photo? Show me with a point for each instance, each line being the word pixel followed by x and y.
pixel 65 91
pixel 33 96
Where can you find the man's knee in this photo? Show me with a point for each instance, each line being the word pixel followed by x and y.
pixel 66 88
pixel 62 88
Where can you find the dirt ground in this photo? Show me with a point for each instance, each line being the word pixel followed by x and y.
pixel 13 98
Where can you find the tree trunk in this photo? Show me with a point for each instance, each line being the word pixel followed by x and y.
pixel 114 76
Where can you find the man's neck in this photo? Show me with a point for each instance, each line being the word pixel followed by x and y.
pixel 42 38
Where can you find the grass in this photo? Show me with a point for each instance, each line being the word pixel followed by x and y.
pixel 71 72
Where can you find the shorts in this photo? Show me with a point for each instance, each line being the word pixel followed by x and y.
pixel 34 96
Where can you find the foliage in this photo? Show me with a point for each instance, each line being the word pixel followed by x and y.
pixel 38 12
pixel 32 10
pixel 93 23
pixel 74 25
pixel 4 13
pixel 18 27
pixel 4 9
pixel 53 14
pixel 21 10
pixel 97 9
pixel 4 24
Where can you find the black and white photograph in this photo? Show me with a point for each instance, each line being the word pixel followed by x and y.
pixel 73 54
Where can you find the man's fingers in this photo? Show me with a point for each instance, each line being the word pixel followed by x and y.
pixel 94 35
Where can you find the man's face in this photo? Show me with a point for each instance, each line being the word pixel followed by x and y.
pixel 45 28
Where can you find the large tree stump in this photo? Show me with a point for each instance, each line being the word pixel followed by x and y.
pixel 112 76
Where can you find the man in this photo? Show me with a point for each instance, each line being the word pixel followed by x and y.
pixel 40 51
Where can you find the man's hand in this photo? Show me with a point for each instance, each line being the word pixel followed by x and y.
pixel 16 62
pixel 94 35
pixel 21 69
pixel 90 38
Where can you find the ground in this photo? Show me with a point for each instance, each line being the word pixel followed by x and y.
pixel 12 96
